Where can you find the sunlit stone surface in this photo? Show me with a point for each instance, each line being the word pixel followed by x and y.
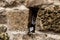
pixel 48 19
pixel 18 18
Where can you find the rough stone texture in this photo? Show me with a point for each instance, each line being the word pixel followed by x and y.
pixel 40 36
pixel 48 35
pixel 3 18
pixel 3 34
pixel 28 3
pixel 11 3
pixel 33 3
pixel 15 19
pixel 2 3
pixel 34 36
pixel 18 19
pixel 48 19
pixel 14 15
pixel 17 37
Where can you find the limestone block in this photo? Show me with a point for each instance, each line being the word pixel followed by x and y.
pixel 48 19
pixel 18 18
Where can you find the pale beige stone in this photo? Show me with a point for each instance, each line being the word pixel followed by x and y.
pixel 18 18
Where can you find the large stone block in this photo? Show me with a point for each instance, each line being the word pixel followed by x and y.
pixel 18 18
pixel 48 19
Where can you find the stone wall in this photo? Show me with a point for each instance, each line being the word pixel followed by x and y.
pixel 18 19
pixel 16 15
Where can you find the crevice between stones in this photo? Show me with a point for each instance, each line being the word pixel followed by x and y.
pixel 32 18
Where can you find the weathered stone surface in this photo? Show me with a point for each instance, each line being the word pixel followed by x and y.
pixel 11 3
pixel 27 37
pixel 48 19
pixel 3 28
pixel 36 36
pixel 32 3
pixel 2 3
pixel 18 18
pixel 48 35
pixel 3 34
pixel 28 3
pixel 3 18
pixel 15 17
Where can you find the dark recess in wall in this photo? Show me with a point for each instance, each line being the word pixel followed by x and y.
pixel 32 18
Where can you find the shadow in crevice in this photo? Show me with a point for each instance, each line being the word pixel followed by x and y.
pixel 32 18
